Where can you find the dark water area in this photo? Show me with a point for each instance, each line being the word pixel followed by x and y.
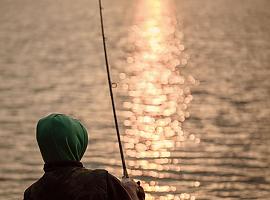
pixel 192 91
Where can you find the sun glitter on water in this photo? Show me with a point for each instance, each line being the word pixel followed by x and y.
pixel 158 94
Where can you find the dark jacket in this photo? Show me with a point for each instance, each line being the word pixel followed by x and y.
pixel 71 181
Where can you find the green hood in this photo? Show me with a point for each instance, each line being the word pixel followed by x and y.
pixel 61 138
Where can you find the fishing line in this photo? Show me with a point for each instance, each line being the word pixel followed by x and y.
pixel 125 173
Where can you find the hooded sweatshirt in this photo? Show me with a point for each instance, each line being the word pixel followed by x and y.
pixel 62 141
pixel 61 138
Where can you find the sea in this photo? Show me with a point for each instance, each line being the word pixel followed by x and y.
pixel 190 81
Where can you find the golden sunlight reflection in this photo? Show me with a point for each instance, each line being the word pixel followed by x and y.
pixel 158 96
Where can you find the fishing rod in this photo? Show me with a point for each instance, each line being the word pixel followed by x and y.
pixel 125 173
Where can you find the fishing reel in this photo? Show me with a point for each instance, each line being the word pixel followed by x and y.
pixel 134 188
pixel 140 191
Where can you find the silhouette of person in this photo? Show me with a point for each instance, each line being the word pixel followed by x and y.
pixel 62 141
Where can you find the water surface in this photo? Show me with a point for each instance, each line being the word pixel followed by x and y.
pixel 184 140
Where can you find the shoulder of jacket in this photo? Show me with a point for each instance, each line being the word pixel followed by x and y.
pixel 100 171
pixel 86 175
pixel 27 193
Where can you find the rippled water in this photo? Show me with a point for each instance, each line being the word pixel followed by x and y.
pixel 183 139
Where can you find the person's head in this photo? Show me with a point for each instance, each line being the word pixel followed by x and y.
pixel 61 138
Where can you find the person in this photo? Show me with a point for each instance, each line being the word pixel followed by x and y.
pixel 62 141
